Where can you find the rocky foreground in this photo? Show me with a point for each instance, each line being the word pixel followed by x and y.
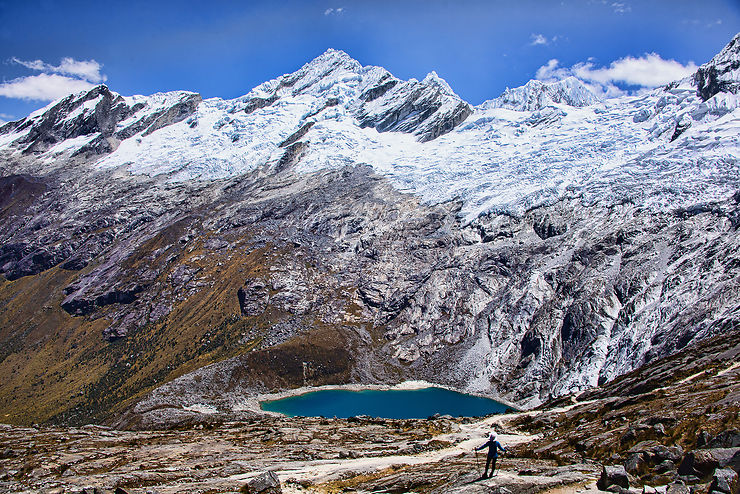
pixel 671 426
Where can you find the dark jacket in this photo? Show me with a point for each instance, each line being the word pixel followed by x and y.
pixel 493 448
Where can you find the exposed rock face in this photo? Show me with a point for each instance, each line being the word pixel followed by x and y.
pixel 97 113
pixel 525 317
pixel 721 73
pixel 427 109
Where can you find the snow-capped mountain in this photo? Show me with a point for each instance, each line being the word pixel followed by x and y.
pixel 532 145
pixel 339 224
pixel 536 95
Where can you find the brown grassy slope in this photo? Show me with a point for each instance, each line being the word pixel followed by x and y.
pixel 59 368
pixel 46 357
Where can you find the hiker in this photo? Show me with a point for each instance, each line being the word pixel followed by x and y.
pixel 493 447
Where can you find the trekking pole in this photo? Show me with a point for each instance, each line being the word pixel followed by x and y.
pixel 477 465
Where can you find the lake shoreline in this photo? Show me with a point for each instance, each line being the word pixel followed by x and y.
pixel 255 403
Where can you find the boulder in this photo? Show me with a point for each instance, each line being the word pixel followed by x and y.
pixel 665 466
pixel 264 483
pixel 726 439
pixel 613 475
pixel 703 439
pixel 636 464
pixel 500 490
pixel 703 462
pixel 677 487
pixel 725 481
pixel 662 453
pixel 656 452
pixel 617 489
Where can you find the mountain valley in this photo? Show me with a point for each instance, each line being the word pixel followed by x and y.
pixel 166 259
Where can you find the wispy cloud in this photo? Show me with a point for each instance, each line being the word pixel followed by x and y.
pixel 334 11
pixel 552 71
pixel 5 118
pixel 88 70
pixel 55 81
pixel 621 7
pixel 648 71
pixel 617 7
pixel 536 39
pixel 701 22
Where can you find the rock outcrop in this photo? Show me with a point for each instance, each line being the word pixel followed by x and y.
pixel 264 483
pixel 721 73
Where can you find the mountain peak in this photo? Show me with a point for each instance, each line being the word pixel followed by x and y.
pixel 536 94
pixel 334 58
pixel 432 79
pixel 730 53
pixel 721 73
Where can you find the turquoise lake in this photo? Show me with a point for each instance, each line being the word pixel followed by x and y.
pixel 391 404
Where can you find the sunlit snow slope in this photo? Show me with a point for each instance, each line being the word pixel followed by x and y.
pixel 673 146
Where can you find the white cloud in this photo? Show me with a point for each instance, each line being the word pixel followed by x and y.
pixel 617 7
pixel 552 71
pixel 648 71
pixel 337 11
pixel 699 22
pixel 537 39
pixel 43 87
pixel 621 7
pixel 88 70
pixel 55 81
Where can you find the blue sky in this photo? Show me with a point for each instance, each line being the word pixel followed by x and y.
pixel 224 48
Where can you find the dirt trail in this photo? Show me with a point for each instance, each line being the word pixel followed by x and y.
pixel 295 474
